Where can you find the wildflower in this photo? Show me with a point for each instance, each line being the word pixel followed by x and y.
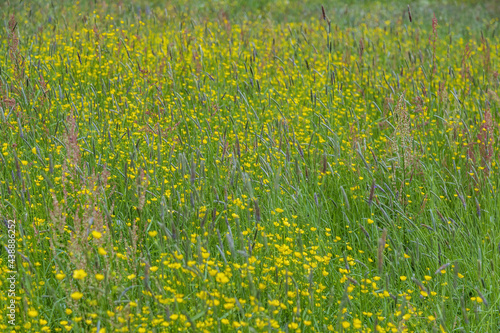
pixel 76 295
pixel 79 274
pixel 229 306
pixel 96 234
pixel 274 302
pixel 221 278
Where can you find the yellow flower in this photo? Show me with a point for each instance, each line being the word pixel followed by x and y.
pixel 76 295
pixel 32 313
pixel 403 278
pixel 221 278
pixel 279 210
pixel 228 306
pixel 79 274
pixel 33 150
pixel 99 277
pixel 60 276
pixel 153 233
pixel 96 234
pixel 346 324
pixel 101 251
pixel 274 302
pixel 131 276
pixel 370 221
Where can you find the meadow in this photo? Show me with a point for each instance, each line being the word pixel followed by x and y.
pixel 264 166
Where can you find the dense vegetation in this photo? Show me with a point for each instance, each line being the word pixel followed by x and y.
pixel 250 166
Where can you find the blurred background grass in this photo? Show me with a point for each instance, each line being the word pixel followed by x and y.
pixel 472 13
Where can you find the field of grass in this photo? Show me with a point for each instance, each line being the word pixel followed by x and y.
pixel 225 166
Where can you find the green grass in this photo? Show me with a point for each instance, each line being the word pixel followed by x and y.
pixel 250 166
